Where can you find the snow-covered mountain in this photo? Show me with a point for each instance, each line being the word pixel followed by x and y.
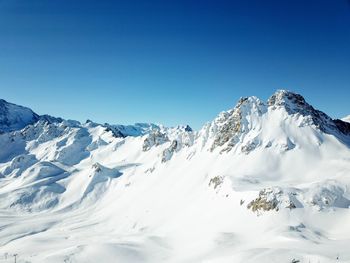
pixel 263 182
pixel 14 117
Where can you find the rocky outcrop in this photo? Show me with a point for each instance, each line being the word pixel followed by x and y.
pixel 231 125
pixel 168 152
pixel 155 138
pixel 295 104
pixel 265 202
pixel 274 198
pixel 14 117
pixel 216 181
pixel 115 132
pixel 342 126
pixel 180 136
pixel 137 129
pixel 324 195
pixel 242 125
pixel 249 146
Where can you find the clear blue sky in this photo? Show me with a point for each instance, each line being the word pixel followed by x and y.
pixel 171 62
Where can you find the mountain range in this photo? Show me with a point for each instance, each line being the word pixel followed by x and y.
pixel 262 182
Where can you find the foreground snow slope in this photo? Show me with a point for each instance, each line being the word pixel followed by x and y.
pixel 263 182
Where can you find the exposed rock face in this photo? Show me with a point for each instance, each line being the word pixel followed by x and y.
pixel 181 136
pixel 44 131
pixel 168 153
pixel 265 202
pixel 295 104
pixel 155 138
pixel 342 126
pixel 234 123
pixel 216 181
pixel 187 128
pixel 138 129
pixel 324 195
pixel 14 117
pixel 248 147
pixel 275 198
pixel 228 131
pixel 116 132
pixel 291 101
pixel 97 167
pixel 244 123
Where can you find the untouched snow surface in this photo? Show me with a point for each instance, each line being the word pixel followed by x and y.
pixel 263 182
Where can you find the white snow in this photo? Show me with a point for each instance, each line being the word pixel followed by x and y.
pixel 76 193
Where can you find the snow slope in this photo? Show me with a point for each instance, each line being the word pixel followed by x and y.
pixel 262 182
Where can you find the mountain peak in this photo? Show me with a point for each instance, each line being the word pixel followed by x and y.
pixel 290 100
pixel 14 117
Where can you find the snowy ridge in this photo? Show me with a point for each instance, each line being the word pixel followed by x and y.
pixel 252 123
pixel 263 182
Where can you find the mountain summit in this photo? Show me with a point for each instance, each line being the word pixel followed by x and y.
pixel 14 117
pixel 264 181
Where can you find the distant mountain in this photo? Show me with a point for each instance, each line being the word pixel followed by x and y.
pixel 262 182
pixel 14 117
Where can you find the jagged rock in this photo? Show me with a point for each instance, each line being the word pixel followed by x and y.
pixel 274 199
pixel 155 138
pixel 182 136
pixel 292 101
pixel 188 128
pixel 291 205
pixel 51 119
pixel 97 167
pixel 115 132
pixel 324 195
pixel 295 104
pixel 231 127
pixel 233 124
pixel 265 202
pixel 216 181
pixel 122 131
pixel 168 152
pixel 14 117
pixel 343 126
pixel 250 146
pixel 43 131
pixel 138 129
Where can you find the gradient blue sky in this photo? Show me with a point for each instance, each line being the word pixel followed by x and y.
pixel 171 62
